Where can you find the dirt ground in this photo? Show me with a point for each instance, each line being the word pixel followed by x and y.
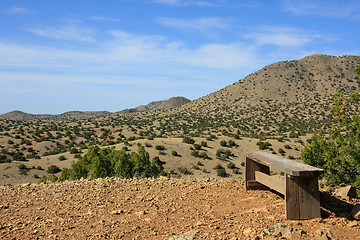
pixel 156 209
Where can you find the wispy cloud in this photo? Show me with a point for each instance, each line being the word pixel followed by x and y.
pixel 283 36
pixel 186 2
pixel 103 18
pixel 210 27
pixel 70 32
pixel 348 9
pixel 205 23
pixel 18 10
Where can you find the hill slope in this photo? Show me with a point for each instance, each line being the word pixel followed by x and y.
pixel 164 104
pixel 282 97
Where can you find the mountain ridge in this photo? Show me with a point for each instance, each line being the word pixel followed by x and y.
pixel 162 104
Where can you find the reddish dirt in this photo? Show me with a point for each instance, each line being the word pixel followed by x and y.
pixel 155 209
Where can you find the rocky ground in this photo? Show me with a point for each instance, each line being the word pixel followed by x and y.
pixel 157 209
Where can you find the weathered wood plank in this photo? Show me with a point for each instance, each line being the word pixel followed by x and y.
pixel 302 198
pixel 291 167
pixel 250 168
pixel 271 182
pixel 292 211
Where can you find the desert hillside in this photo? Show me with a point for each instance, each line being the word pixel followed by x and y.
pixel 280 105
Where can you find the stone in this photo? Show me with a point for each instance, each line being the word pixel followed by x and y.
pixel 346 192
pixel 163 178
pixel 247 232
pixel 322 234
pixel 355 212
pixel 186 236
pixel 117 212
pixel 140 213
pixel 352 224
pixel 280 230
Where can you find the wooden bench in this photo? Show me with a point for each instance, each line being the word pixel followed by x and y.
pixel 300 186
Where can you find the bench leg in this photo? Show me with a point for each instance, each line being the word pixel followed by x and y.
pixel 302 198
pixel 250 168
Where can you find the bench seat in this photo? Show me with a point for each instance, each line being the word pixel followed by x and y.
pixel 299 186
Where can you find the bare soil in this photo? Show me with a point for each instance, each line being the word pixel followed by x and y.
pixel 156 209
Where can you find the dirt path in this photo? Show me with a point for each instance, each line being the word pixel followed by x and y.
pixel 155 209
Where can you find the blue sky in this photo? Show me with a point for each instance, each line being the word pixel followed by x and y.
pixel 57 56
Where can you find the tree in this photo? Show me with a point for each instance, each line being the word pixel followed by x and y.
pixel 337 150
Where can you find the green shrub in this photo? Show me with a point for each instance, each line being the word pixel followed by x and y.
pixel 204 155
pixel 231 143
pixel 62 158
pixel 22 166
pixel 160 147
pixel 218 167
pixel 108 162
pixel 197 146
pixel 196 167
pixel 53 169
pixel 188 140
pixel 221 172
pixel 174 153
pixel 231 165
pixel 281 151
pixel 223 143
pixel 184 171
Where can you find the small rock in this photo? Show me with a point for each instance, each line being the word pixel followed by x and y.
pixel 355 212
pixel 346 192
pixel 185 236
pixel 163 178
pixel 352 224
pixel 140 213
pixel 322 234
pixel 117 212
pixel 281 230
pixel 247 232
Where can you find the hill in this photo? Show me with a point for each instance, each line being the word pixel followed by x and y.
pixel 164 104
pixel 22 116
pixel 284 97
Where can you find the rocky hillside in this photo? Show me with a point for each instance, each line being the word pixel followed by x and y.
pixel 164 104
pixel 287 96
pixel 160 209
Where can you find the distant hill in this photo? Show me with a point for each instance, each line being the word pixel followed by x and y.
pixel 22 116
pixel 164 104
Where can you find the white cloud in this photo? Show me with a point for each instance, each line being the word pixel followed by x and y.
pixel 197 24
pixel 102 18
pixel 282 36
pixel 18 10
pixel 329 8
pixel 186 2
pixel 70 32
